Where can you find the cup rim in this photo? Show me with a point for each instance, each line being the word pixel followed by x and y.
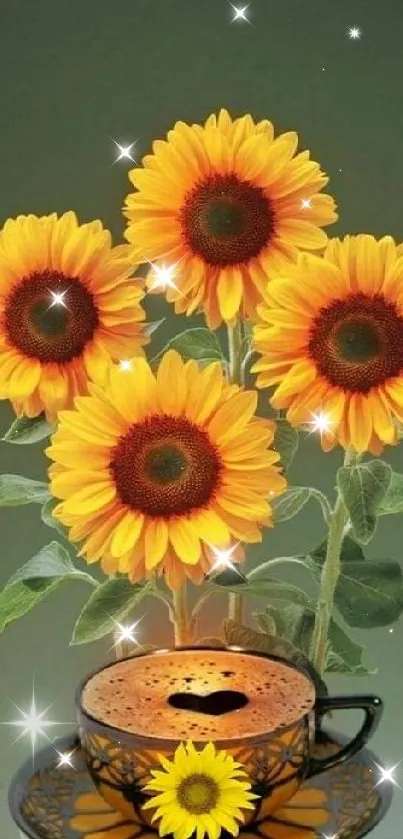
pixel 130 738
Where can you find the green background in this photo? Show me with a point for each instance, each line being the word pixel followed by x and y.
pixel 76 73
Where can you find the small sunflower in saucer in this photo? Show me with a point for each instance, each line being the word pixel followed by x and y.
pixel 200 792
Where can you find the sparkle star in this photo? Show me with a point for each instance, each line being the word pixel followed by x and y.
pixel 65 759
pixel 334 836
pixel 164 275
pixel 125 364
pixel 32 723
pixel 387 775
pixel 125 152
pixel 126 633
pixel 321 422
pixel 57 298
pixel 223 559
pixel 354 32
pixel 306 203
pixel 240 13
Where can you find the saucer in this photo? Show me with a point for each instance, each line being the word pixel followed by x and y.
pixel 52 802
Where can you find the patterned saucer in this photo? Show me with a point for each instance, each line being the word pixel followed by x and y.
pixel 62 803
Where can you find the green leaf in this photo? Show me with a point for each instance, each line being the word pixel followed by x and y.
pixel 200 344
pixel 152 326
pixel 111 601
pixel 52 561
pixel 291 502
pixel 363 488
pixel 285 442
pixel 350 551
pixel 370 593
pixel 19 598
pixel 229 578
pixel 392 501
pixel 26 430
pixel 41 575
pixel 266 622
pixel 265 586
pixel 242 636
pixel 238 635
pixel 16 490
pixel 288 619
pixel 296 623
pixel 345 656
pixel 47 518
pixel 211 641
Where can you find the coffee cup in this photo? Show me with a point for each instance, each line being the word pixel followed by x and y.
pixel 261 709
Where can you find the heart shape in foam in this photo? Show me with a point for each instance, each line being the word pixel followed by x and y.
pixel 214 704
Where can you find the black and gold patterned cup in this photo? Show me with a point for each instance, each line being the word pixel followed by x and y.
pixel 261 709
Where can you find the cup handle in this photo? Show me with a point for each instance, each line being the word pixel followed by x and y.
pixel 372 707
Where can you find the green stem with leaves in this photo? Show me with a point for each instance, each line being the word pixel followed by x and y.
pixel 329 579
pixel 236 376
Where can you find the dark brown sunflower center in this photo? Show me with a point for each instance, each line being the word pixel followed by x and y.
pixel 165 466
pixel 357 343
pixel 198 793
pixel 227 221
pixel 50 317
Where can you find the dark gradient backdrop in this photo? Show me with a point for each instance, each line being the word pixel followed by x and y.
pixel 76 73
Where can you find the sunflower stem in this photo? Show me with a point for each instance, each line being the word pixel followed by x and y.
pixel 236 376
pixel 329 579
pixel 122 648
pixel 181 616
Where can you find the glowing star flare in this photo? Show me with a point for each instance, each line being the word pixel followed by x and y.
pixel 164 276
pixel 321 422
pixel 33 723
pixel 125 152
pixel 58 298
pixel 125 364
pixel 65 759
pixel 126 633
pixel 387 775
pixel 354 33
pixel 223 559
pixel 240 13
pixel 306 203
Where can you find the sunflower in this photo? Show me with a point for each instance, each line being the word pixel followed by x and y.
pixel 149 465
pixel 331 338
pixel 199 791
pixel 66 307
pixel 226 204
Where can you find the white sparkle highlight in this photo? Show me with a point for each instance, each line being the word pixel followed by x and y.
pixel 240 13
pixel 321 422
pixel 125 152
pixel 33 723
pixel 164 275
pixel 387 775
pixel 334 836
pixel 391 630
pixel 306 203
pixel 57 298
pixel 125 364
pixel 126 633
pixel 65 759
pixel 354 33
pixel 223 559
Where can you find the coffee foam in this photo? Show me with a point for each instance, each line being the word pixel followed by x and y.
pixel 133 695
